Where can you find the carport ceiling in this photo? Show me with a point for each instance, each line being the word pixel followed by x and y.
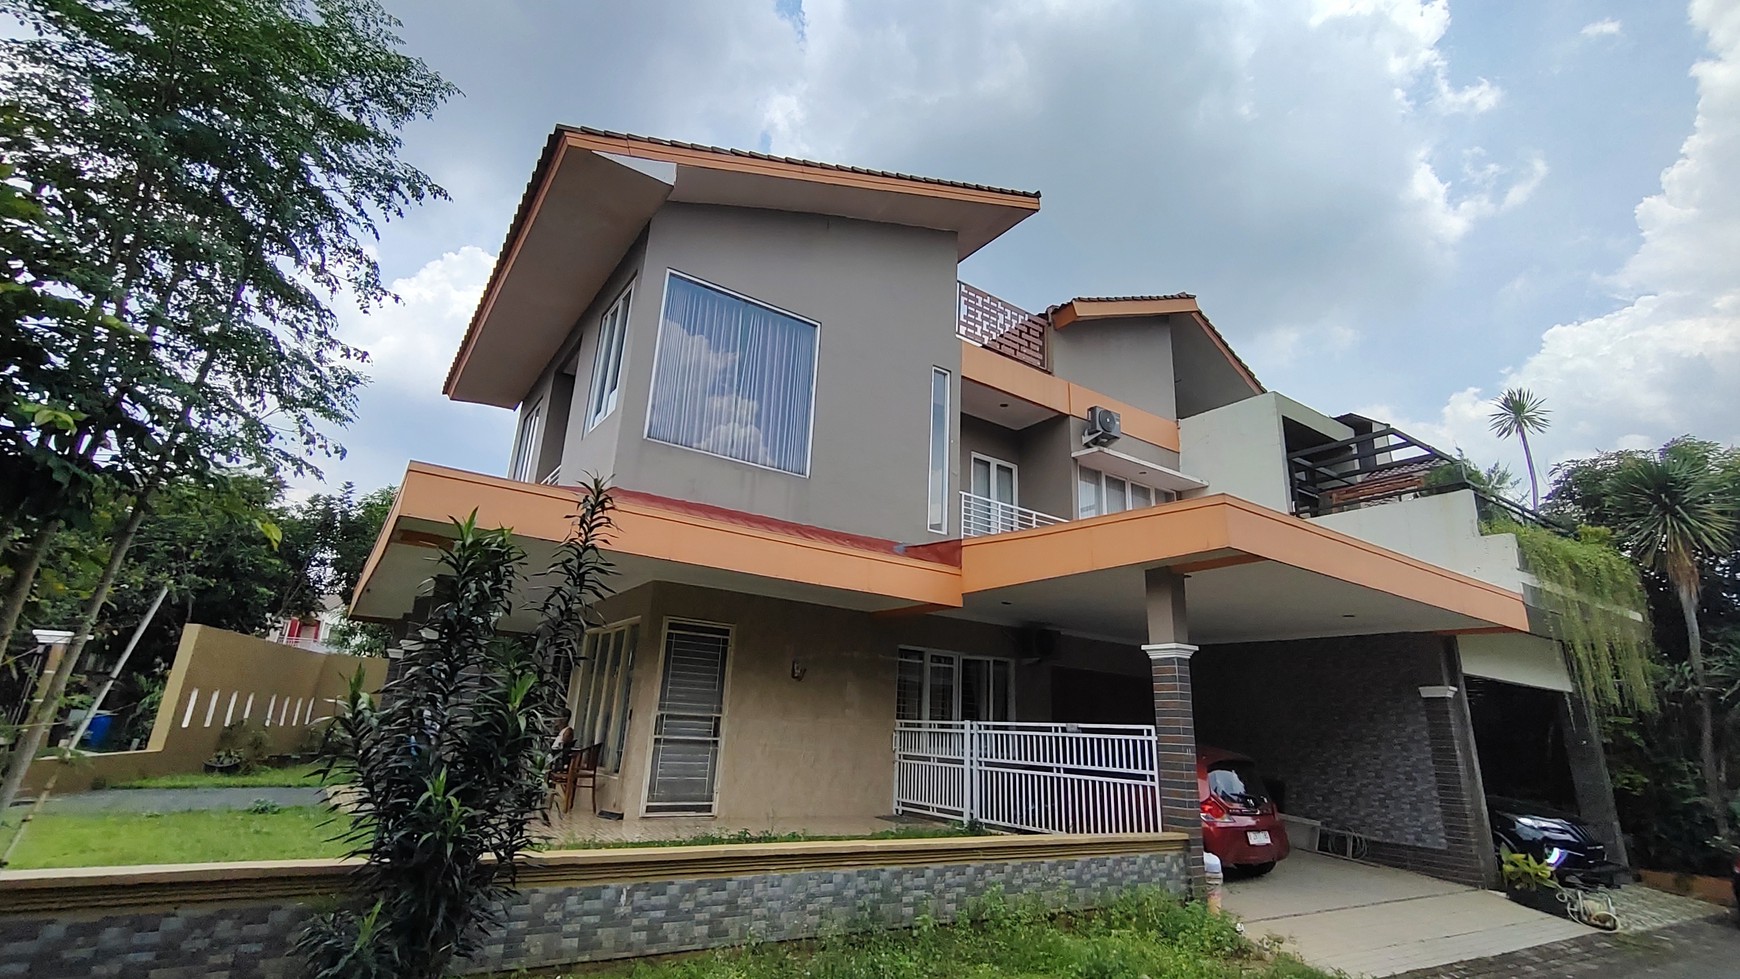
pixel 1257 602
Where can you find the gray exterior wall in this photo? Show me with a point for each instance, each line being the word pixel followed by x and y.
pixel 885 299
pixel 1126 359
pixel 594 452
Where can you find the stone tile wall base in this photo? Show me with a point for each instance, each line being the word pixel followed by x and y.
pixel 567 925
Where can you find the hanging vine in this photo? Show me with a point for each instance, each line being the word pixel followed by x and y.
pixel 1597 601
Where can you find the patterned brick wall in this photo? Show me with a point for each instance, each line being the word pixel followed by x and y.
pixel 1003 327
pixel 557 926
pixel 1343 724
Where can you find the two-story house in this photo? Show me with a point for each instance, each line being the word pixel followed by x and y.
pixel 888 543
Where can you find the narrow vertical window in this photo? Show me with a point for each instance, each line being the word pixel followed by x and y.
pixel 526 449
pixel 939 450
pixel 607 360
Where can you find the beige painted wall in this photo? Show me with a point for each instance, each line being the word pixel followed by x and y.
pixel 218 677
pixel 820 746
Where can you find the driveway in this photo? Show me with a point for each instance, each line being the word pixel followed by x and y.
pixel 1369 920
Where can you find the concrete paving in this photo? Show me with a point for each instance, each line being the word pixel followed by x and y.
pixel 178 800
pixel 1694 950
pixel 1368 920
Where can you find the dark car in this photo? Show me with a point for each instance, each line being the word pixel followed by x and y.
pixel 1558 839
pixel 1737 889
pixel 1239 821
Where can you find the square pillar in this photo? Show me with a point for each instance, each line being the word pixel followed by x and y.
pixel 1174 716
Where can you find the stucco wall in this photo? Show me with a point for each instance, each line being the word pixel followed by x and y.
pixel 1442 529
pixel 219 677
pixel 1238 450
pixel 885 299
pixel 820 746
pixel 1126 359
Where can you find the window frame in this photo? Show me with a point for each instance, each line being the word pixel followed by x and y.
pixel 624 302
pixel 1157 496
pixel 658 348
pixel 522 467
pixel 613 696
pixel 937 465
pixel 646 762
pixel 925 655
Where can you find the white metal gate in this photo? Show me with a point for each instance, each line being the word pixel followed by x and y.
pixel 1039 777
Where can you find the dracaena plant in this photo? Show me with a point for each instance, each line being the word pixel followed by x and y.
pixel 447 765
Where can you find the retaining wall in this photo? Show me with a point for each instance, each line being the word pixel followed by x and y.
pixel 240 920
pixel 220 677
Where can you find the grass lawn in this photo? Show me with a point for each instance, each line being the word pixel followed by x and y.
pixel 1147 935
pixel 126 838
pixel 293 776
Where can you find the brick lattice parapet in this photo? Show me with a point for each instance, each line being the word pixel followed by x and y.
pixel 1001 326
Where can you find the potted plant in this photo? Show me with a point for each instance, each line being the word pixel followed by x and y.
pixel 1531 882
pixel 225 762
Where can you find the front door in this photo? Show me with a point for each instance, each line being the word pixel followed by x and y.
pixel 994 486
pixel 685 756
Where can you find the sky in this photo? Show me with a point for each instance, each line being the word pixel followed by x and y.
pixel 1394 207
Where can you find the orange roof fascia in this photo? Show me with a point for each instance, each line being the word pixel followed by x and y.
pixel 1064 397
pixel 1175 532
pixel 548 164
pixel 1090 309
pixel 436 493
pixel 722 159
pixel 1226 351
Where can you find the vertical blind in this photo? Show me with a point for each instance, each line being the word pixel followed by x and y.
pixel 733 378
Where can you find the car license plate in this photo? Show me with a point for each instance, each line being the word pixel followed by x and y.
pixel 1258 837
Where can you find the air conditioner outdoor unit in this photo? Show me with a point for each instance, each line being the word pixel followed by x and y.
pixel 1103 427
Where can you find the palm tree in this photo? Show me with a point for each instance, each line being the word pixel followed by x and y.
pixel 1516 413
pixel 1674 511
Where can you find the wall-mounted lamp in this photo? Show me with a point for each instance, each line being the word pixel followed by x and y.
pixel 798 669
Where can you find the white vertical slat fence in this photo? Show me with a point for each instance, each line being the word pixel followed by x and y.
pixel 1035 777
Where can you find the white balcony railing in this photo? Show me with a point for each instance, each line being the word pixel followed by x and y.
pixel 1036 777
pixel 306 642
pixel 981 516
pixel 554 478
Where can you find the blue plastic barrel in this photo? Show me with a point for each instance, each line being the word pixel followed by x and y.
pixel 98 731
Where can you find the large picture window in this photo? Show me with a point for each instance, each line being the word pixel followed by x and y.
pixel 733 377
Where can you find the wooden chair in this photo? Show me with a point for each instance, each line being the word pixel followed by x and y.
pixel 581 769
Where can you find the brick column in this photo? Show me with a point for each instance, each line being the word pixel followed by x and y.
pixel 1468 857
pixel 1174 716
pixel 1589 777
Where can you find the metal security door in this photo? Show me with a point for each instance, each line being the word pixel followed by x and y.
pixel 685 758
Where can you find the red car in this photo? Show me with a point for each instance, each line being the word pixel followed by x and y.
pixel 1239 822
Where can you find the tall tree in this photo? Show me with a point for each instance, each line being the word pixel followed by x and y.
pixel 224 165
pixel 1675 512
pixel 1516 413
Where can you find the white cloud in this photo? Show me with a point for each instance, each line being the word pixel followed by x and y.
pixel 1667 361
pixel 411 343
pixel 1409 32
pixel 1609 27
pixel 1450 219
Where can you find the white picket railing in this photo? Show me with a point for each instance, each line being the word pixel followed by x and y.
pixel 981 516
pixel 1037 777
